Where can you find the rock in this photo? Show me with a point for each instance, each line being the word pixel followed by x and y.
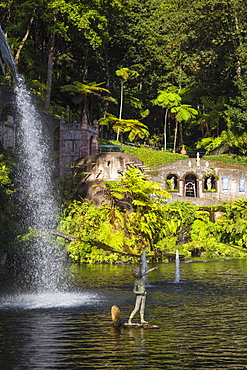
pixel 116 316
pixel 138 326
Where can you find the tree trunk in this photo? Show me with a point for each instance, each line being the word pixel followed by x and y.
pixel 175 137
pixel 49 72
pixel 121 100
pixel 18 53
pixel 239 67
pixel 165 126
pixel 169 127
pixel 85 110
pixel 106 104
pixel 218 127
pixel 85 67
pixel 121 105
pixel 107 75
pixel 181 139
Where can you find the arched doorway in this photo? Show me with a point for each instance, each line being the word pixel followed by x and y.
pixel 190 185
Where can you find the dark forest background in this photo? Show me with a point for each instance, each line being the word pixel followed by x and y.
pixel 69 52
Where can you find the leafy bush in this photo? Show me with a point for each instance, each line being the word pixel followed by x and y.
pixel 9 211
pixel 152 224
pixel 122 231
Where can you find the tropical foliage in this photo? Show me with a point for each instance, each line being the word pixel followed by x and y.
pixel 169 76
pixel 81 93
pixel 146 54
pixel 138 217
pixel 5 171
pixel 8 210
pixel 135 128
pixel 124 230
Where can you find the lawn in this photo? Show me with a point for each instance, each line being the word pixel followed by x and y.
pixel 227 158
pixel 153 158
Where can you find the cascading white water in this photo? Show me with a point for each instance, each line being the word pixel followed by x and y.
pixel 44 283
pixel 44 265
pixel 177 271
pixel 6 56
pixel 35 174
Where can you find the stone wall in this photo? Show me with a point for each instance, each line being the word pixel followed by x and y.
pixel 94 169
pixel 7 133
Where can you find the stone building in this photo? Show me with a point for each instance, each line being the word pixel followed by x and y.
pixel 77 140
pixel 7 133
pixel 94 169
pixel 202 182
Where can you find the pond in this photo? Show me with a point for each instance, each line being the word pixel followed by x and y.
pixel 202 320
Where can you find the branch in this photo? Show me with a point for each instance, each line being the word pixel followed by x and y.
pixel 63 235
pixel 101 245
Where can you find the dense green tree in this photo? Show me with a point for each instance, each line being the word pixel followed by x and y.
pixel 183 113
pixel 58 42
pixel 125 74
pixel 167 99
pixel 81 93
pixel 237 112
pixel 135 128
pixel 213 115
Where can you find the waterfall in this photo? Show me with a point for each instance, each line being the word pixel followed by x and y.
pixel 44 263
pixel 35 176
pixel 144 265
pixel 177 271
pixel 6 57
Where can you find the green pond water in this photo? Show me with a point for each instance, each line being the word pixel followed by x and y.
pixel 202 319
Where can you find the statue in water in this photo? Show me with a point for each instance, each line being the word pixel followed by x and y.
pixel 6 56
pixel 140 292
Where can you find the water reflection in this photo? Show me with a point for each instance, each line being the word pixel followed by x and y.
pixel 203 322
pixel 48 300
